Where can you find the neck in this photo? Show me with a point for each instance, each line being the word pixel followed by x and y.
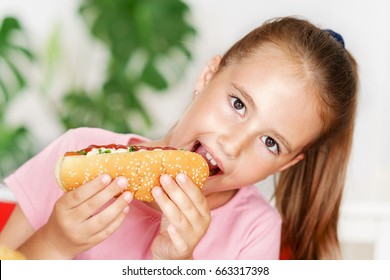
pixel 218 199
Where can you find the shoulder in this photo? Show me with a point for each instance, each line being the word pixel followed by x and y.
pixel 34 184
pixel 79 138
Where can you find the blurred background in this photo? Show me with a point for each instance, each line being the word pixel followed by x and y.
pixel 130 66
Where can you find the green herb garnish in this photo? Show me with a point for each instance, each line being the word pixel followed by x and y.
pixel 131 149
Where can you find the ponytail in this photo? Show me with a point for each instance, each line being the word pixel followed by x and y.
pixel 308 197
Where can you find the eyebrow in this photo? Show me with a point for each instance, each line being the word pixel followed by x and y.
pixel 249 99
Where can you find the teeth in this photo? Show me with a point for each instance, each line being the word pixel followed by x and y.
pixel 210 158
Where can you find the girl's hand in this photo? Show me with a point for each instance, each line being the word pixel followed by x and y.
pixel 78 222
pixel 186 218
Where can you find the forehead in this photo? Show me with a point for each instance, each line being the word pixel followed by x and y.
pixel 282 94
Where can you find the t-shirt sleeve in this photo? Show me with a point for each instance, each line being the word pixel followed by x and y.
pixel 34 184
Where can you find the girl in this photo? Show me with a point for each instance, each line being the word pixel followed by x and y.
pixel 281 100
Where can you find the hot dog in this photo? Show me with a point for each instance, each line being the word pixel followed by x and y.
pixel 141 165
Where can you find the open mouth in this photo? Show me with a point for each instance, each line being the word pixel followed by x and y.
pixel 211 162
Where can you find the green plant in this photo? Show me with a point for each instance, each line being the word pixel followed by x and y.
pixel 12 80
pixel 15 142
pixel 147 41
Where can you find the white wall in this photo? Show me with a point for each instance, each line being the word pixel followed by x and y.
pixel 365 26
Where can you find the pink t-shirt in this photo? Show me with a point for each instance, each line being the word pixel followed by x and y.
pixel 247 227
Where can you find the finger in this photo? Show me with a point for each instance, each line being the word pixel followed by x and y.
pixel 107 216
pixel 170 210
pixel 110 228
pixel 180 198
pixel 180 244
pixel 92 205
pixel 81 194
pixel 194 194
pixel 198 215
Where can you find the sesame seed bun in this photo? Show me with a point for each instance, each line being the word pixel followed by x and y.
pixel 142 169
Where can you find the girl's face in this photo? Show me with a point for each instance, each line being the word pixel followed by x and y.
pixel 249 120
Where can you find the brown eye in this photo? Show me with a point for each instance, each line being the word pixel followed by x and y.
pixel 271 144
pixel 238 105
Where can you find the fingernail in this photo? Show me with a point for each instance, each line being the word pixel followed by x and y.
pixel 165 179
pixel 128 196
pixel 126 209
pixel 105 178
pixel 157 191
pixel 122 181
pixel 181 177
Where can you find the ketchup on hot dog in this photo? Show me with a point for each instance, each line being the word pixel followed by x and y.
pixel 131 148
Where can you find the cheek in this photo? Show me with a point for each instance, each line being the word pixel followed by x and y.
pixel 254 169
pixel 194 115
pixel 199 108
pixel 208 112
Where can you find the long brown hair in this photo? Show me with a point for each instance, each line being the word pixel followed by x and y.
pixel 308 194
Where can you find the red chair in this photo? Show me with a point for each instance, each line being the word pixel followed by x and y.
pixel 6 209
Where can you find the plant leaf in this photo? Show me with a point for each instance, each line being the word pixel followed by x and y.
pixel 8 25
pixel 152 77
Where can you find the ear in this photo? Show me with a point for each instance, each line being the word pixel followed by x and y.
pixel 208 72
pixel 292 162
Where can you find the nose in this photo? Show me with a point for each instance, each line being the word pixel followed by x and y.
pixel 232 143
